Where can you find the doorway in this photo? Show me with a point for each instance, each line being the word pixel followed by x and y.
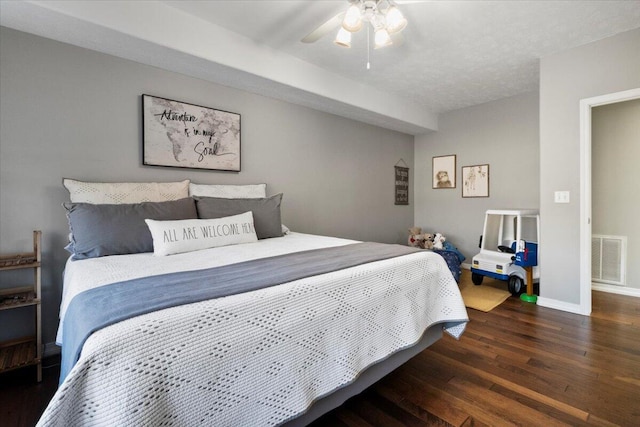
pixel 586 106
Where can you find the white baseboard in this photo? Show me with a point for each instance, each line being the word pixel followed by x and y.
pixel 613 289
pixel 560 305
pixel 575 308
pixel 550 303
pixel 51 349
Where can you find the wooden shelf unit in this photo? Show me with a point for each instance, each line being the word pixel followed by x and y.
pixel 26 351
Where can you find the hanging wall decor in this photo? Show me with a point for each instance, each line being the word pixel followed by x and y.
pixel 402 183
pixel 475 181
pixel 184 135
pixel 444 172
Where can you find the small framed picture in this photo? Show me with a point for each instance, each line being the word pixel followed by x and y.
pixel 475 181
pixel 444 172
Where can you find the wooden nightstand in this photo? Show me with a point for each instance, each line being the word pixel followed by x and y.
pixel 26 351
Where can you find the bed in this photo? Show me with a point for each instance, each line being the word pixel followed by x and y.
pixel 281 354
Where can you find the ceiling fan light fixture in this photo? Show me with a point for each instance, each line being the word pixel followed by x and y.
pixel 343 38
pixel 352 19
pixel 382 38
pixel 396 21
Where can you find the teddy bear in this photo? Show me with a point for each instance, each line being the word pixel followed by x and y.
pixel 438 241
pixel 416 238
pixel 428 240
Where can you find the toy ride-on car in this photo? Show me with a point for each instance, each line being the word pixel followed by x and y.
pixel 508 246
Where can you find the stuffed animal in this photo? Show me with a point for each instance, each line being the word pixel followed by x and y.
pixel 428 240
pixel 415 237
pixel 419 238
pixel 438 241
pixel 415 230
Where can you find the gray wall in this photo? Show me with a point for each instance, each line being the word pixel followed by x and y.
pixel 599 68
pixel 72 112
pixel 615 150
pixel 503 134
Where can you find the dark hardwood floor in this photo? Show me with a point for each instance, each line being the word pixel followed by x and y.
pixel 519 364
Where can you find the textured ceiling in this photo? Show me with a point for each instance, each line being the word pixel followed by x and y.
pixel 455 53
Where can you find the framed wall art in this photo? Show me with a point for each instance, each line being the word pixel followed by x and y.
pixel 401 183
pixel 177 134
pixel 475 181
pixel 444 172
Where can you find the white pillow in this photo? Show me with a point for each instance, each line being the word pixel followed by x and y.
pixel 174 237
pixel 249 191
pixel 116 193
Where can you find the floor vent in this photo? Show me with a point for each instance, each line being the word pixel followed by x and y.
pixel 608 259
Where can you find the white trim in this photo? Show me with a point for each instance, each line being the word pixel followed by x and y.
pixel 465 266
pixel 51 349
pixel 585 189
pixel 614 289
pixel 613 98
pixel 561 305
pixel 585 206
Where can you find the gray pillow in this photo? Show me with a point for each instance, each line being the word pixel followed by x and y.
pixel 99 230
pixel 266 212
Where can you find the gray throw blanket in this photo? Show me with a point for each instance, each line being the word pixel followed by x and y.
pixel 106 305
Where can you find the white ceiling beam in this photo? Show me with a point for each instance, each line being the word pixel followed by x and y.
pixel 157 34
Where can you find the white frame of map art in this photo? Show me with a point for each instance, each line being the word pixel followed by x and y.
pixel 177 134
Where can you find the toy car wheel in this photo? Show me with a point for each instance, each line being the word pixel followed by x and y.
pixel 516 285
pixel 477 279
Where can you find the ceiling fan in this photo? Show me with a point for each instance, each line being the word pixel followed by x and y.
pixel 384 16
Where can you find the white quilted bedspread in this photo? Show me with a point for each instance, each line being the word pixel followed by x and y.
pixel 259 358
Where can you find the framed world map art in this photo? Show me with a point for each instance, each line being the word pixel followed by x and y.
pixel 177 134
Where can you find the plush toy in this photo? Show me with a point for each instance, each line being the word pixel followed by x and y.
pixel 415 237
pixel 438 241
pixel 428 240
pixel 419 238
pixel 415 230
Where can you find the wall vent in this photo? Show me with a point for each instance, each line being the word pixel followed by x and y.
pixel 609 259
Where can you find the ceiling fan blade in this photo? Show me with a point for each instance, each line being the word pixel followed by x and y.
pixel 323 29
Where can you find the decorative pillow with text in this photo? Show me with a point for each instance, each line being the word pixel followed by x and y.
pixel 174 237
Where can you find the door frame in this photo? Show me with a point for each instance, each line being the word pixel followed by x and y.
pixel 586 106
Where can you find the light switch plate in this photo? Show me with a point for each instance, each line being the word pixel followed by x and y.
pixel 562 197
